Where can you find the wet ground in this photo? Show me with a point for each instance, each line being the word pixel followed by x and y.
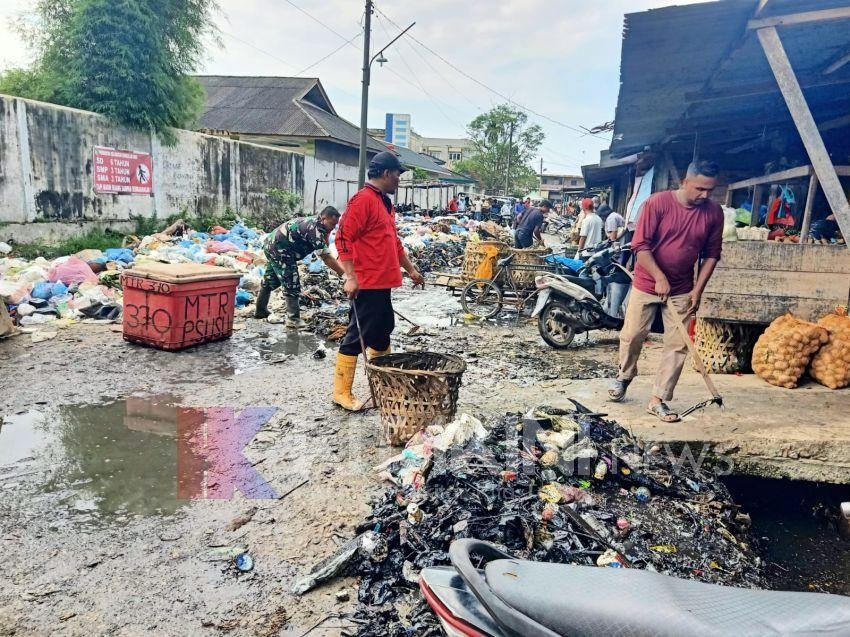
pixel 112 523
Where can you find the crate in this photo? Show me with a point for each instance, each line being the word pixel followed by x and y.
pixel 175 306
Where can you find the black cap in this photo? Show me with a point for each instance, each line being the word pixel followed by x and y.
pixel 386 161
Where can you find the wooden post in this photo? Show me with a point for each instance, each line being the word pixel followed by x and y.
pixel 807 213
pixel 806 127
pixel 427 198
pixel 754 220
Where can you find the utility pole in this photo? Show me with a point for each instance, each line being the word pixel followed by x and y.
pixel 508 169
pixel 364 95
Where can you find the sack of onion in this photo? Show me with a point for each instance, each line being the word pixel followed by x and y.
pixel 831 365
pixel 783 352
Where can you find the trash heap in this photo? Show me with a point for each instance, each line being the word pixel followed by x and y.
pixel 553 485
pixel 63 290
pixel 87 284
pixel 435 245
pixel 239 248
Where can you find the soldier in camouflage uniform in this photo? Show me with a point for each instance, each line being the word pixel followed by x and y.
pixel 284 247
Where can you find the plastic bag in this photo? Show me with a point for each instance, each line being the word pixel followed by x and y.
pixel 125 255
pixel 71 270
pixel 42 290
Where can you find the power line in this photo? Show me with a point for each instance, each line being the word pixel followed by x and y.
pixel 256 48
pixel 436 102
pixel 315 19
pixel 336 50
pixel 581 132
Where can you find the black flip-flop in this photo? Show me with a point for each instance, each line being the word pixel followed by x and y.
pixel 662 412
pixel 618 390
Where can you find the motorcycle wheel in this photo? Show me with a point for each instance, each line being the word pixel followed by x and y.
pixel 481 298
pixel 554 327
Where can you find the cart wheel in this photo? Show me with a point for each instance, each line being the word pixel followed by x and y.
pixel 482 298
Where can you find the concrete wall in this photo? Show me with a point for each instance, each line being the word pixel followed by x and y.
pixel 46 184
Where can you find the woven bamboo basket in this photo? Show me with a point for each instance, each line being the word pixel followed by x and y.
pixel 725 348
pixel 474 256
pixel 528 257
pixel 414 390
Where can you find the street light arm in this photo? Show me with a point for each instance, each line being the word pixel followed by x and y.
pixel 390 43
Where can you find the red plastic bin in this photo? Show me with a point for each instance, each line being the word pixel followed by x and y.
pixel 175 306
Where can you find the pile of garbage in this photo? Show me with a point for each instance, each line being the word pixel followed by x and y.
pixel 87 284
pixel 554 485
pixel 64 290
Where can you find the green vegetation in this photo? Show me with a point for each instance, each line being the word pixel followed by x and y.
pixel 96 239
pixel 283 205
pixel 502 138
pixel 130 60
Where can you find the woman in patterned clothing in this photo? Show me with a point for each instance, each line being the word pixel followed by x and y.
pixel 289 243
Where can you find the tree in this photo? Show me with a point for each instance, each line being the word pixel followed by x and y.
pixel 130 60
pixel 503 145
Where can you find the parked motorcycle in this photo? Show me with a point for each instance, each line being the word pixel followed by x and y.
pixel 569 305
pixel 501 596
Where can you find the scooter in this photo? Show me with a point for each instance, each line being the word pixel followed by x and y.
pixel 501 596
pixel 569 305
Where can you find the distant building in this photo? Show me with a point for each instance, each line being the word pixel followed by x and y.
pixel 448 149
pixel 557 187
pixel 397 130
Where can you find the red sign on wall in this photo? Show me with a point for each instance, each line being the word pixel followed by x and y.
pixel 122 172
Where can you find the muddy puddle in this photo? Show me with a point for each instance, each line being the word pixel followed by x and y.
pixel 272 345
pixel 95 463
pixel 795 526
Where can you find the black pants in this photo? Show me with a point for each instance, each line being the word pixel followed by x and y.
pixel 377 322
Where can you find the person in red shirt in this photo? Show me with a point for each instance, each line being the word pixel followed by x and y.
pixel 372 256
pixel 453 204
pixel 674 231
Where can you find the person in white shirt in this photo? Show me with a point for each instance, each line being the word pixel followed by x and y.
pixel 591 230
pixel 615 225
pixel 477 208
pixel 461 204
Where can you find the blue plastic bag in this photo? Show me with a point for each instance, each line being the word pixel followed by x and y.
pixel 42 290
pixel 243 297
pixel 125 255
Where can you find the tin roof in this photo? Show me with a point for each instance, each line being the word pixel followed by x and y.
pixel 698 69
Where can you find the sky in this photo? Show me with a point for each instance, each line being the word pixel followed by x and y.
pixel 559 58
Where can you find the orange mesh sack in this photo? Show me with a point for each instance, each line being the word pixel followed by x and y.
pixel 783 352
pixel 831 365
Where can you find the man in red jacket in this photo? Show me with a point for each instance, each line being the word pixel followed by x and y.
pixel 372 256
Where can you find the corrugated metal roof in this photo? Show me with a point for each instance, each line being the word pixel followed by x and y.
pixel 338 128
pixel 698 69
pixel 412 159
pixel 286 106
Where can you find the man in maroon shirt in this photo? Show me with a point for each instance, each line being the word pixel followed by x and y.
pixel 675 230
pixel 372 256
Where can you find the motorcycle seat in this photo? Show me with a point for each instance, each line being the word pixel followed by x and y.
pixel 582 600
pixel 587 284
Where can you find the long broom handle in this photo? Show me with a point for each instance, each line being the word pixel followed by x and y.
pixel 363 349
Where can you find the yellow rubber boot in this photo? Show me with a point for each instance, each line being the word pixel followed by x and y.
pixel 372 353
pixel 343 381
